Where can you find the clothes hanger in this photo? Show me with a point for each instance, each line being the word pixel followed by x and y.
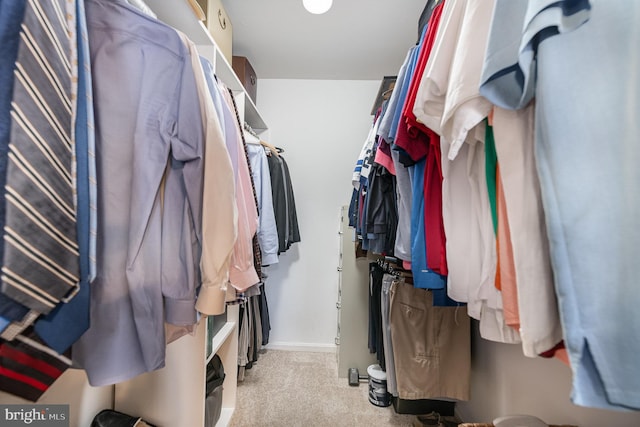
pixel 249 129
pixel 403 273
pixel 271 148
pixel 251 138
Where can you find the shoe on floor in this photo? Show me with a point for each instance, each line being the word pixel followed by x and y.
pixel 434 419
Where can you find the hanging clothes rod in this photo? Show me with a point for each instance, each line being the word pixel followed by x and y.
pixel 273 149
pixel 249 129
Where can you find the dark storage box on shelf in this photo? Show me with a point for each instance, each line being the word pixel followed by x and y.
pixel 247 75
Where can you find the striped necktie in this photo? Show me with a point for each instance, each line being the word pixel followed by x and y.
pixel 11 17
pixel 40 266
pixel 64 325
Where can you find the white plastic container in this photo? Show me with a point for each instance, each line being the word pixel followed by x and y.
pixel 378 386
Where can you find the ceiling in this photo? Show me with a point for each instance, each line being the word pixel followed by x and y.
pixel 354 40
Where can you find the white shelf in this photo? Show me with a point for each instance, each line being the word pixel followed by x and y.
pixel 225 417
pixel 228 353
pixel 225 72
pixel 179 15
pixel 220 338
pixel 253 117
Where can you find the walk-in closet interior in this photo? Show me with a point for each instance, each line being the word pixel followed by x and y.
pixel 201 196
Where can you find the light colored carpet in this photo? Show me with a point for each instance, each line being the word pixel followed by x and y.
pixel 286 388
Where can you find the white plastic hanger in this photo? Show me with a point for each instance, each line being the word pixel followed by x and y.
pixel 519 421
pixel 250 138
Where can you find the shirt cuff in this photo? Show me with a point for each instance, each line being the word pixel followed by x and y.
pixel 269 259
pixel 243 279
pixel 211 300
pixel 180 312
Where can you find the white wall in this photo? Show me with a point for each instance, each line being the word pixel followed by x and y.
pixel 321 125
pixel 505 382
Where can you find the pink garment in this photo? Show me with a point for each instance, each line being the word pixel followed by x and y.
pixel 242 273
pixel 506 273
pixel 384 159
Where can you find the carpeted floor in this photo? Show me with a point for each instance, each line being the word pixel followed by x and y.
pixel 293 389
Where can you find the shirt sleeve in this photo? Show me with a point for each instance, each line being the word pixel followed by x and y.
pixel 267 231
pixel 182 204
pixel 366 149
pixel 394 100
pixel 242 273
pixel 219 221
pixel 430 96
pixel 464 106
pixel 517 29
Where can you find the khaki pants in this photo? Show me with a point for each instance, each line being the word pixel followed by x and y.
pixel 387 281
pixel 431 345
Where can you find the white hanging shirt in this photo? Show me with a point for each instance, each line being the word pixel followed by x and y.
pixel 448 100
